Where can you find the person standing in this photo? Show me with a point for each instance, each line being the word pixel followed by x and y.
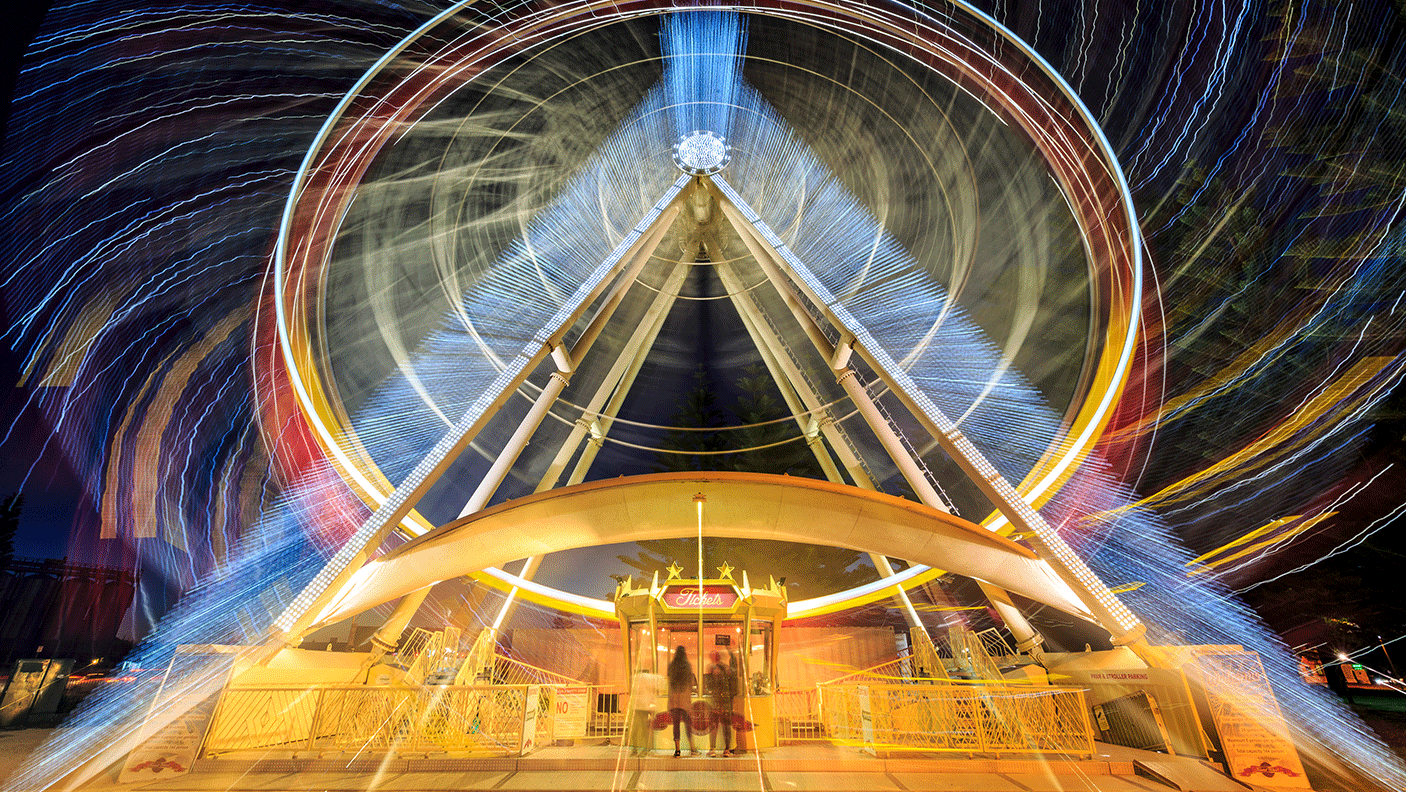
pixel 721 684
pixel 681 684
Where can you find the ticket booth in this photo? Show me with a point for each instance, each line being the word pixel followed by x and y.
pixel 706 616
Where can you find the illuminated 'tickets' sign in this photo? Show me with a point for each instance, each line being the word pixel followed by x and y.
pixel 691 597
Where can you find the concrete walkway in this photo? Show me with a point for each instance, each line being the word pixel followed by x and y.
pixel 604 767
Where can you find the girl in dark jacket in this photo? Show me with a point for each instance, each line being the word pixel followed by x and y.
pixel 681 682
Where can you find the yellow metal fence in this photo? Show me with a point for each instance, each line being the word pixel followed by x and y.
pixel 377 719
pixel 798 715
pixel 984 719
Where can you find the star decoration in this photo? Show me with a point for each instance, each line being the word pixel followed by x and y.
pixel 725 571
pixel 674 570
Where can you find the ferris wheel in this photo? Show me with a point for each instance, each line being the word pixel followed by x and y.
pixel 498 223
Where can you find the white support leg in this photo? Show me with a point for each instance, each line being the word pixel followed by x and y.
pixel 619 379
pixel 793 386
pixel 1124 626
pixel 782 374
pixel 387 638
pixel 529 569
pixel 566 363
pixel 506 457
pixel 606 419
pixel 1027 639
pixel 825 427
pixel 890 441
pixel 303 611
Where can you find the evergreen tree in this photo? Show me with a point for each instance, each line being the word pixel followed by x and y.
pixel 698 410
pixel 759 409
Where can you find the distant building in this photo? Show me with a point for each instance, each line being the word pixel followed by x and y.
pixel 52 608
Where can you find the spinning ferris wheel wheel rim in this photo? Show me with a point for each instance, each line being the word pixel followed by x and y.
pixel 327 177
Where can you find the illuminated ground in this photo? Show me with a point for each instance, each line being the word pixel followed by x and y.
pixel 1115 769
pixel 552 769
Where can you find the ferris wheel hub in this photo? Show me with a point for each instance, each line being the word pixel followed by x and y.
pixel 701 153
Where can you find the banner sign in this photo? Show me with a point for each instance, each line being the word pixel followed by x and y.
pixel 1252 731
pixel 866 720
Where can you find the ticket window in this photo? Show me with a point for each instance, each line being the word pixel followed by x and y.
pixel 642 650
pixel 726 638
pixel 723 639
pixel 758 682
pixel 672 635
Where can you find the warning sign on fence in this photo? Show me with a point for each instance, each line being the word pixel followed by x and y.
pixel 571 713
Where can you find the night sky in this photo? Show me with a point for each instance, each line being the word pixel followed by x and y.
pixel 31 461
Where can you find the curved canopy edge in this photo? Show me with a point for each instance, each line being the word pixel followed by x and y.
pixel 738 505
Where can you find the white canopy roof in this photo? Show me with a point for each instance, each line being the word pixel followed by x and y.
pixel 742 505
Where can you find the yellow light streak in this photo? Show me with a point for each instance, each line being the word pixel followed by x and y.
pixel 1277 539
pixel 1329 398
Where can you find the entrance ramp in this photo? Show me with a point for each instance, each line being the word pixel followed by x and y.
pixel 1188 775
pixel 1181 773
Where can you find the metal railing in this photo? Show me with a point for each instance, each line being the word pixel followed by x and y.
pixel 895 671
pixel 424 652
pixel 607 710
pixel 509 671
pixel 969 654
pixel 927 661
pixel 378 719
pixel 797 714
pixel 995 644
pixel 987 719
pixel 935 716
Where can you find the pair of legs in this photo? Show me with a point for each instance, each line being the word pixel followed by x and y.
pixel 680 715
pixel 722 714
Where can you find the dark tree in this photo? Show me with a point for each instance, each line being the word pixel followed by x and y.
pixel 698 411
pixel 9 525
pixel 770 442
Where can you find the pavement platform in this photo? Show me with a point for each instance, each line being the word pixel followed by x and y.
pixel 604 767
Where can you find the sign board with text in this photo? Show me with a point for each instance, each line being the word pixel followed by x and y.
pixel 529 720
pixel 707 597
pixel 866 720
pixel 1251 728
pixel 571 713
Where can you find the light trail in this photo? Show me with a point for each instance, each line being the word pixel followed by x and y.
pixel 152 152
